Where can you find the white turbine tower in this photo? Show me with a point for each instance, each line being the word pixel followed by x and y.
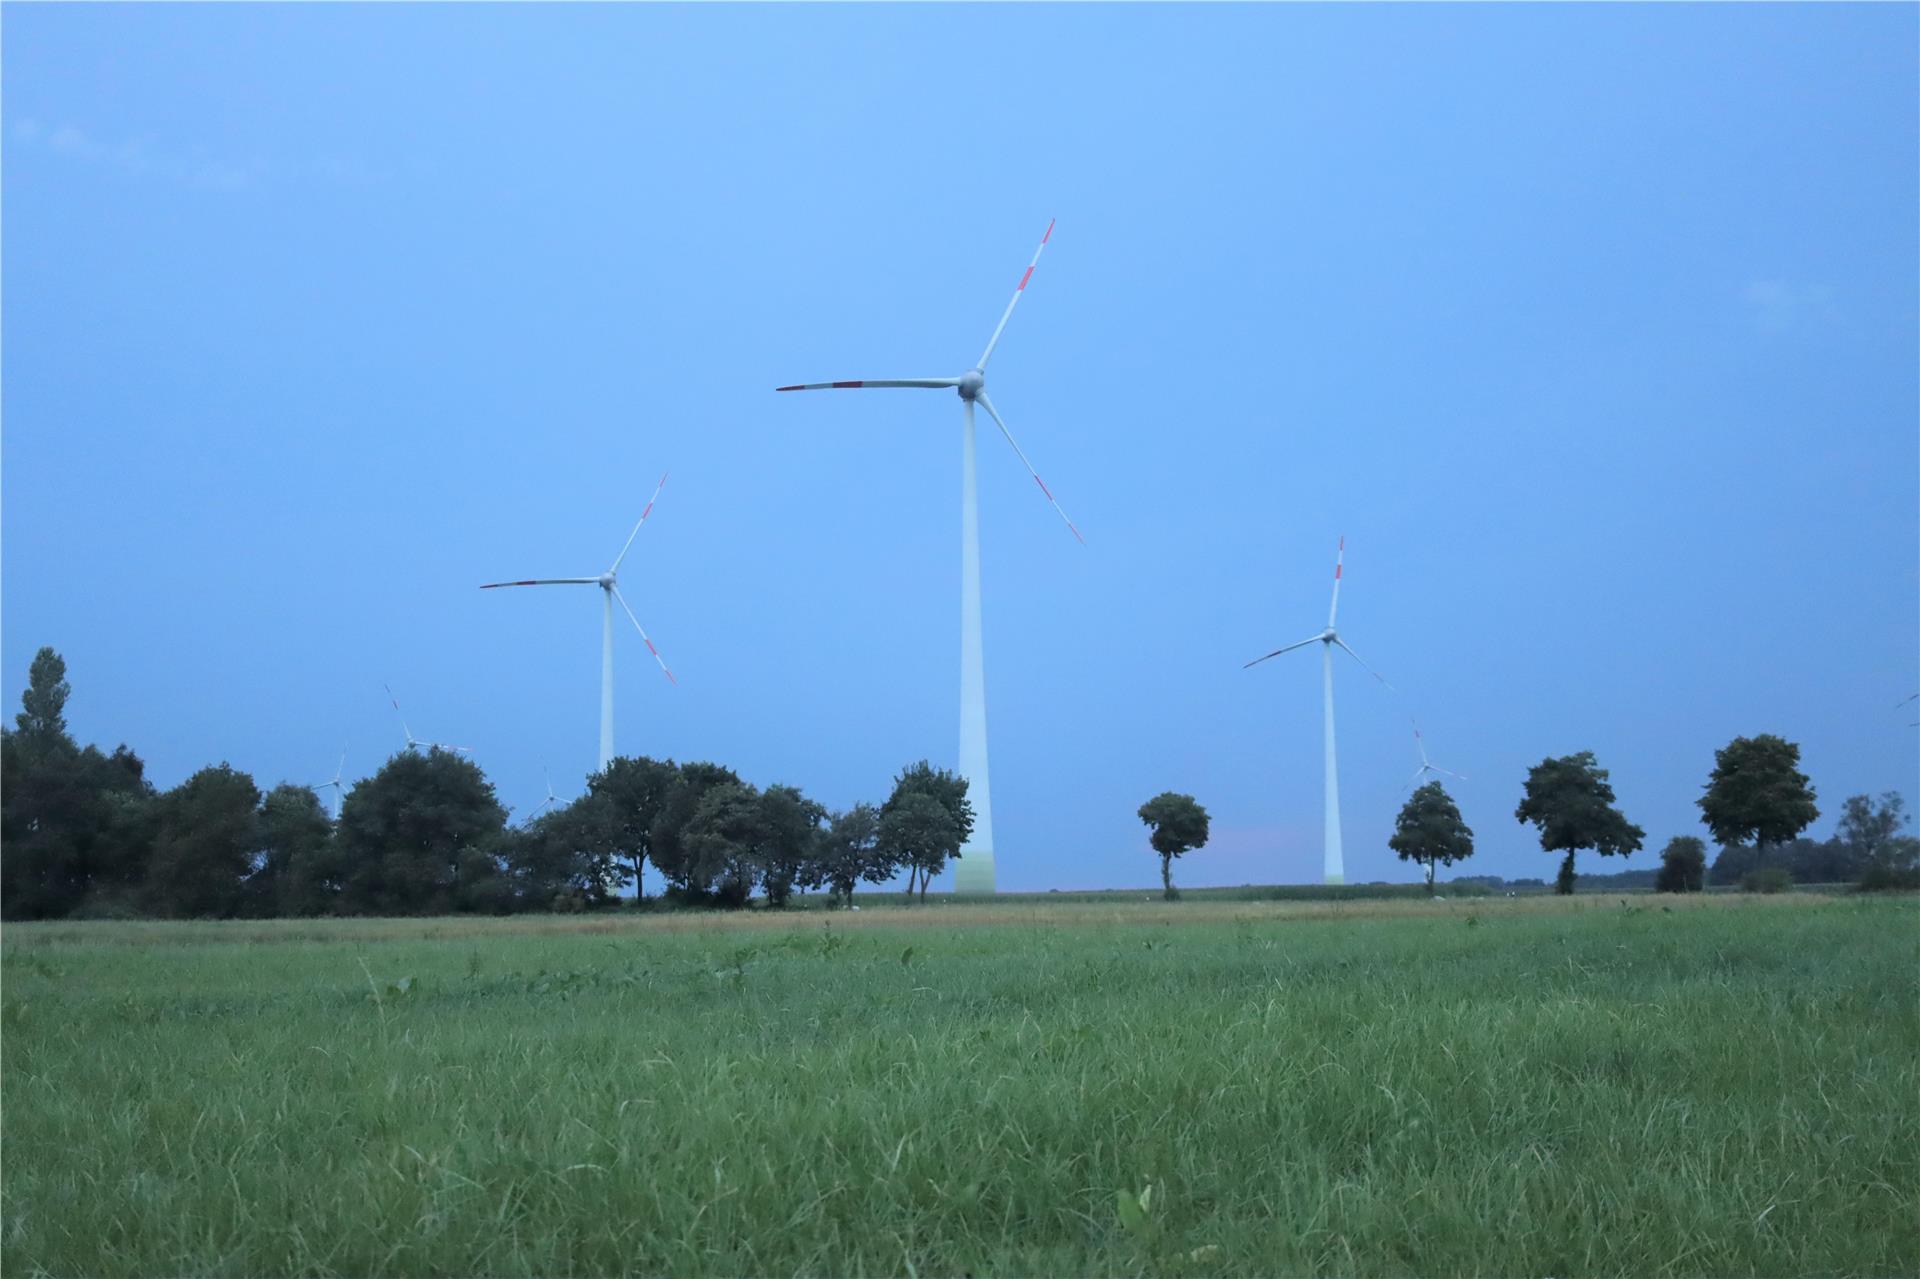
pixel 609 585
pixel 1335 864
pixel 414 743
pixel 339 790
pixel 975 873
pixel 1427 765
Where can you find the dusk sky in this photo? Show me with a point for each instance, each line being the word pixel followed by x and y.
pixel 1593 330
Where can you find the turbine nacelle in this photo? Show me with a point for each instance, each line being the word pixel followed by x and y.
pixel 605 580
pixel 972 382
pixel 1328 636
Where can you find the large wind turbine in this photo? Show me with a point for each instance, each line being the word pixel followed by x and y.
pixel 1328 640
pixel 975 873
pixel 608 582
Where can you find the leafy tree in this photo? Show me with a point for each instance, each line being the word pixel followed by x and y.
pixel 209 834
pixel 1888 859
pixel 631 793
pixel 1683 866
pixel 849 852
pixel 1757 792
pixel 1570 803
pixel 790 825
pixel 403 832
pixel 295 871
pixel 918 831
pixel 666 839
pixel 724 842
pixel 1429 831
pixel 919 842
pixel 1178 825
pixel 557 861
pixel 74 823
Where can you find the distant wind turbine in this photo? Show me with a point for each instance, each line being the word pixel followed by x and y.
pixel 1908 702
pixel 1335 863
pixel 975 872
pixel 1427 765
pixel 414 743
pixel 339 789
pixel 549 801
pixel 608 582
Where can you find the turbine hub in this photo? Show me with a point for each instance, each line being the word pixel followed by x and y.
pixel 972 382
pixel 1328 637
pixel 606 581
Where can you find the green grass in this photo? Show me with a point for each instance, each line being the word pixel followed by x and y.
pixel 1523 1087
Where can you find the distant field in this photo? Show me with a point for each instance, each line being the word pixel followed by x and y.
pixel 1532 1086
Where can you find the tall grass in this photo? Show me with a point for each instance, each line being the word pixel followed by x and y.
pixel 1510 1087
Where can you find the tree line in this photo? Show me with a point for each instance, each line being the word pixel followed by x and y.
pixel 85 833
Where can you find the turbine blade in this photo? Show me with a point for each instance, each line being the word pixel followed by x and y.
pixel 1448 771
pixel 1339 560
pixel 643 635
pixel 1017 291
pixel 1363 666
pixel 546 581
pixel 1417 774
pixel 642 520
pixel 995 415
pixel 870 384
pixel 1288 649
pixel 402 718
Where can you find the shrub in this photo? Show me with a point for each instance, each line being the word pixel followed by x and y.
pixel 1768 879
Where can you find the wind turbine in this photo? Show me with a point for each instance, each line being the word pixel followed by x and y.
pixel 975 873
pixel 1427 765
pixel 609 585
pixel 339 790
pixel 414 743
pixel 1329 639
pixel 548 802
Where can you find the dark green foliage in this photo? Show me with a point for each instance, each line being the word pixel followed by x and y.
pixel 404 831
pixel 558 860
pixel 790 827
pixel 297 872
pixel 205 847
pixel 43 718
pixel 848 852
pixel 1757 792
pixel 1177 825
pixel 723 843
pixel 1429 831
pixel 1683 866
pixel 1569 801
pixel 629 796
pixel 911 835
pixel 1766 879
pixel 667 843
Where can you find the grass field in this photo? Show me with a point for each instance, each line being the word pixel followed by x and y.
pixel 1598 1086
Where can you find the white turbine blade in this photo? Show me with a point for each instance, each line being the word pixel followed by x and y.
pixel 993 413
pixel 643 635
pixel 402 718
pixel 1903 701
pixel 341 769
pixel 1363 666
pixel 1417 774
pixel 871 384
pixel 1420 742
pixel 1017 291
pixel 549 776
pixel 546 581
pixel 1448 771
pixel 1339 560
pixel 642 520
pixel 1311 639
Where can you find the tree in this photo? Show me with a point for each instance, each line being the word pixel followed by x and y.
pixel 1178 825
pixel 631 793
pixel 295 872
pixel 1888 859
pixel 209 835
pixel 1429 831
pixel 1683 866
pixel 790 826
pixel 723 842
pixel 918 831
pixel 42 717
pixel 929 842
pixel 849 852
pixel 1570 803
pixel 403 832
pixel 558 861
pixel 1757 792
pixel 666 837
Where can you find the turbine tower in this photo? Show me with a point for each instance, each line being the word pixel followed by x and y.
pixel 1329 639
pixel 975 873
pixel 609 585
pixel 1427 765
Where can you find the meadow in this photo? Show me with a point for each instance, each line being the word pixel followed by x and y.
pixel 1104 1085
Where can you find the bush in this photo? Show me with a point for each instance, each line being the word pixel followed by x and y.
pixel 1883 875
pixel 1768 879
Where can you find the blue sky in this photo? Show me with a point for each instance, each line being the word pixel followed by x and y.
pixel 1592 328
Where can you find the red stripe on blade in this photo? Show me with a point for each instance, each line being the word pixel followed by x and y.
pixel 1049 234
pixel 839 385
pixel 789 388
pixel 1024 279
